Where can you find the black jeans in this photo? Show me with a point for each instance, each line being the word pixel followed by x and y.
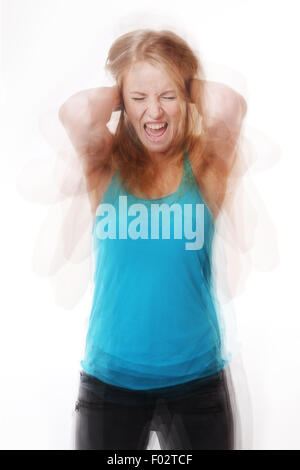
pixel 196 415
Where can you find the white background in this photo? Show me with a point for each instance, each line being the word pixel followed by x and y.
pixel 50 50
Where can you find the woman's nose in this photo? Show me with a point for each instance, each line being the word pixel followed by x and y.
pixel 155 108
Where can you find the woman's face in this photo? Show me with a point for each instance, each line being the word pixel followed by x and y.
pixel 151 98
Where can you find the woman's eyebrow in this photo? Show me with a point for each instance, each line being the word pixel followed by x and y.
pixel 144 94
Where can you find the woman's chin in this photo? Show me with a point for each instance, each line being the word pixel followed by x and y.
pixel 156 148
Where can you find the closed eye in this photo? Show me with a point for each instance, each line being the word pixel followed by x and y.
pixel 166 97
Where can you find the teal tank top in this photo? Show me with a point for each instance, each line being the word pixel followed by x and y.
pixel 154 317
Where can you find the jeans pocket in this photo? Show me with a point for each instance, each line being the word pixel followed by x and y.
pixel 89 399
pixel 88 405
pixel 213 401
pixel 212 404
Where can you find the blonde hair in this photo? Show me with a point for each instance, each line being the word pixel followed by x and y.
pixel 166 50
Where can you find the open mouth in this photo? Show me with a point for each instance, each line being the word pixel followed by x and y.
pixel 155 134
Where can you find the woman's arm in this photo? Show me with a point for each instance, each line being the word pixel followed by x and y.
pixel 218 98
pixel 84 116
pixel 224 110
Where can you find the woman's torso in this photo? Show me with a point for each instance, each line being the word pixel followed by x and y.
pixel 208 179
pixel 154 319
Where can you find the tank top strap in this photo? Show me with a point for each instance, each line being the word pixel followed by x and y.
pixel 192 185
pixel 189 178
pixel 114 188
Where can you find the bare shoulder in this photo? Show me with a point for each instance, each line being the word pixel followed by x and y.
pixel 97 182
pixel 97 167
pixel 211 182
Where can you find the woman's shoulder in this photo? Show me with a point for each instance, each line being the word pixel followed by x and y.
pixel 209 179
pixel 97 184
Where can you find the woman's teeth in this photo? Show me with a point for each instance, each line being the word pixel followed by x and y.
pixel 156 126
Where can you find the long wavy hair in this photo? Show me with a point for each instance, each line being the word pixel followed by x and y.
pixel 166 50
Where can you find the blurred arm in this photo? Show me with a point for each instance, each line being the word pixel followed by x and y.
pixel 85 116
pixel 224 110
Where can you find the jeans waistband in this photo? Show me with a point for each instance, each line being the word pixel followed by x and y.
pixel 109 391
